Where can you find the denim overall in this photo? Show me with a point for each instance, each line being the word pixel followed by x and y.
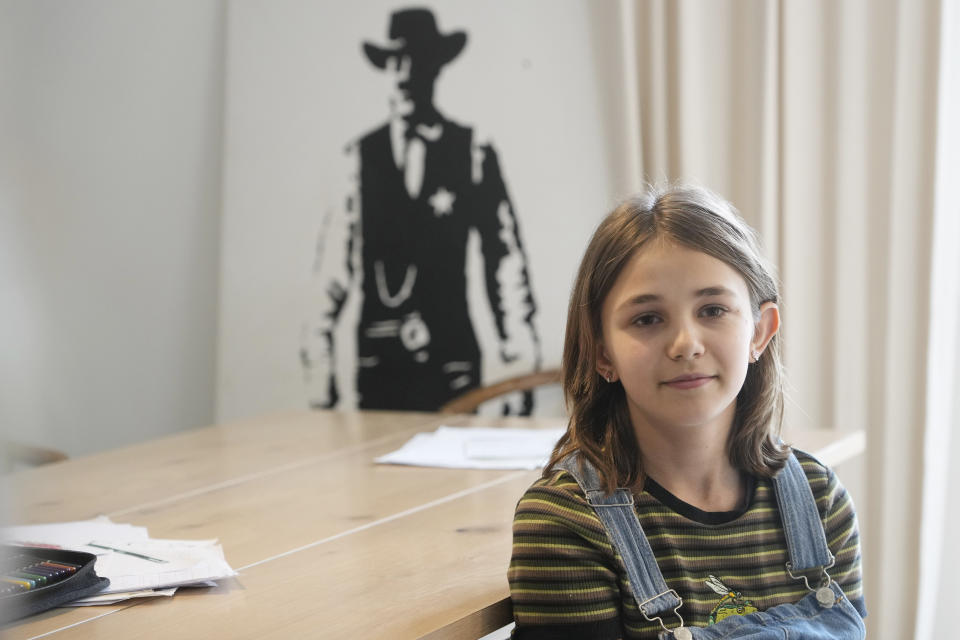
pixel 824 613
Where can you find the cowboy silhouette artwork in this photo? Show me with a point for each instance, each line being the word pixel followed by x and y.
pixel 422 185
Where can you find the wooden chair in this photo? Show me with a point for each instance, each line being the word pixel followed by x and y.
pixel 468 402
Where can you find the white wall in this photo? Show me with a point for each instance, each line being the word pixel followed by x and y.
pixel 110 146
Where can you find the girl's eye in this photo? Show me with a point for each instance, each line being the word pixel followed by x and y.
pixel 646 320
pixel 713 311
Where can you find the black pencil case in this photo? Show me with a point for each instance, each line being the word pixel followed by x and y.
pixel 15 562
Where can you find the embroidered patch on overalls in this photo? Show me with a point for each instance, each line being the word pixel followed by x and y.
pixel 731 604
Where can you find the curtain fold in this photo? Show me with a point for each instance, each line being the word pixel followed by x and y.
pixel 818 119
pixel 940 525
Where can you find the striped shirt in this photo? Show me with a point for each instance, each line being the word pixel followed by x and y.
pixel 566 581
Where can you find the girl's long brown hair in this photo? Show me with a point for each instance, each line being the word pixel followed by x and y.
pixel 600 428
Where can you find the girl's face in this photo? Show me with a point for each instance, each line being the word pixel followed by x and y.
pixel 678 333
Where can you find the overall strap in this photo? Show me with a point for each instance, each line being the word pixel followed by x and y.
pixel 806 541
pixel 616 511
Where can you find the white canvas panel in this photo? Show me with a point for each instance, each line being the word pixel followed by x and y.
pixel 539 79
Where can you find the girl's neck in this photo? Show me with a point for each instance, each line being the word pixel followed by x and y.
pixel 692 464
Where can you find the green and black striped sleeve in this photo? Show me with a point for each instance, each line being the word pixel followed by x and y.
pixel 563 574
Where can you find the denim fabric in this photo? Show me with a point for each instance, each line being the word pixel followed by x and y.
pixel 806 546
pixel 806 541
pixel 805 620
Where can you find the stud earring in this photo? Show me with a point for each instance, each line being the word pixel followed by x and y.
pixel 756 355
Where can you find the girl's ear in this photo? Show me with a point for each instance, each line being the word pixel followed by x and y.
pixel 605 365
pixel 766 327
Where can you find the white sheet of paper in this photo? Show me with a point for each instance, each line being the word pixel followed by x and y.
pixel 113 598
pixel 477 448
pixel 72 535
pixel 184 563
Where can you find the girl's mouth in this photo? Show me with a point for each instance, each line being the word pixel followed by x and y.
pixel 689 381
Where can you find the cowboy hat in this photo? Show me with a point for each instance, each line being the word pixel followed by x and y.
pixel 414 31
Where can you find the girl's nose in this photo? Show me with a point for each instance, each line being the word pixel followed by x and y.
pixel 685 345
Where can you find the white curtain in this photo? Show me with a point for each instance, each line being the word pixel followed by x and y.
pixel 939 589
pixel 822 121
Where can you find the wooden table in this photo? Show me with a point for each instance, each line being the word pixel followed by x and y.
pixel 327 543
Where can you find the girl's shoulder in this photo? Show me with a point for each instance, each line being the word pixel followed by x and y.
pixel 556 488
pixel 809 462
pixel 828 491
pixel 815 470
pixel 555 505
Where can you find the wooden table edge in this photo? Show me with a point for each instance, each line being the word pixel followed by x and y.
pixel 477 624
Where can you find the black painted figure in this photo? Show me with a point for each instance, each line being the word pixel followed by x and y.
pixel 423 184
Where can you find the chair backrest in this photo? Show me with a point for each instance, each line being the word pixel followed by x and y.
pixel 468 402
pixel 18 453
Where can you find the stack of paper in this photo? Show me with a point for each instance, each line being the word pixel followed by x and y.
pixel 136 565
pixel 477 448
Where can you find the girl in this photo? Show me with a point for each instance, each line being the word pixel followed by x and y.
pixel 672 375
